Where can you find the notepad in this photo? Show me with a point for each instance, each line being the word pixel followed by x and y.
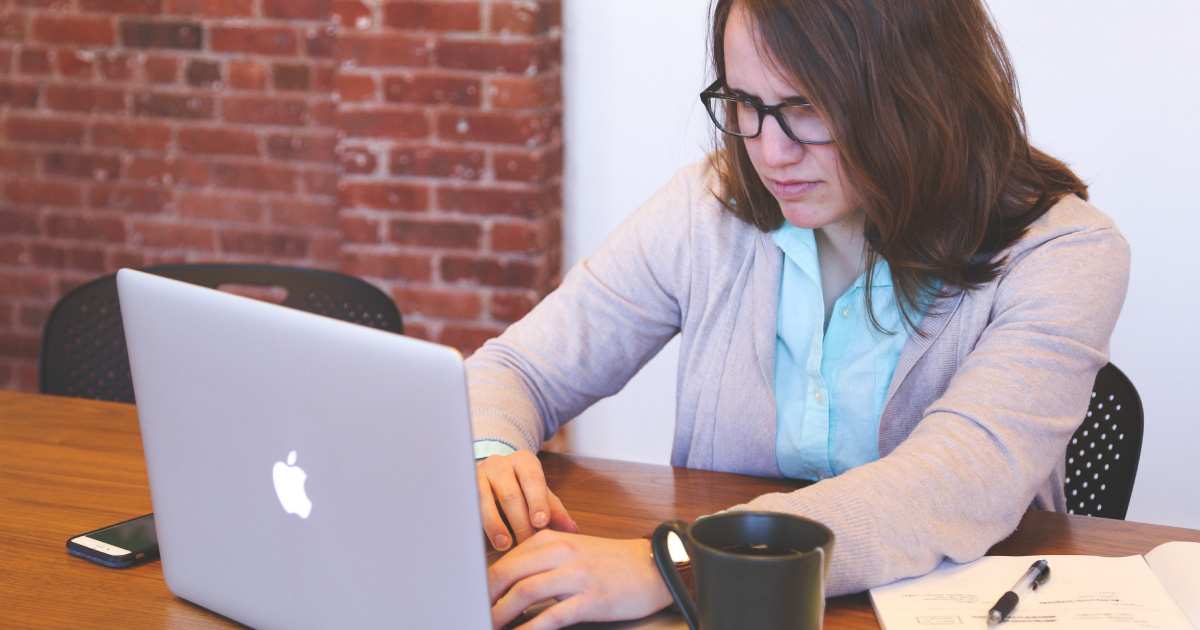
pixel 1158 592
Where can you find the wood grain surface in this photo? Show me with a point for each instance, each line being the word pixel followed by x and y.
pixel 68 466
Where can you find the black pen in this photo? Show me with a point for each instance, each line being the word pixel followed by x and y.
pixel 1033 578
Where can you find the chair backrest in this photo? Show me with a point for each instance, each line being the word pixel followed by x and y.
pixel 83 345
pixel 1102 458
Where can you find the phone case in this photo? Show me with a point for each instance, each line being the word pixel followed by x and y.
pixel 107 560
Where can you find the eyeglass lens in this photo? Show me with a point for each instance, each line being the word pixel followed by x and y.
pixel 741 118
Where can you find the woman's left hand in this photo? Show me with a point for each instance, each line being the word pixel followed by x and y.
pixel 593 579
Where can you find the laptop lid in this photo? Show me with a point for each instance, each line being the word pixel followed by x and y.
pixel 305 472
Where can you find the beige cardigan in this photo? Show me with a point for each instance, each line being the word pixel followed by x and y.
pixel 977 418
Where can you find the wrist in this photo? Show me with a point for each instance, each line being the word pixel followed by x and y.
pixel 683 565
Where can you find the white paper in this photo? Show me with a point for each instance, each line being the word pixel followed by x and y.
pixel 1083 592
pixel 1177 565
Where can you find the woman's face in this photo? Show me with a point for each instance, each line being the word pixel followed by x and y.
pixel 806 179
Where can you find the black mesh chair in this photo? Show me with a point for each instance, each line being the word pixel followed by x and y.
pixel 83 345
pixel 1102 458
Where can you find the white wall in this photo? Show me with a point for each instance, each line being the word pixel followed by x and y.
pixel 1112 87
pixel 633 118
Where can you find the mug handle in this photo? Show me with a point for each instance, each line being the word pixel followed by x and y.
pixel 670 574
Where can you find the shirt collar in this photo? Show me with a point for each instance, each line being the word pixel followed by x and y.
pixel 799 245
pixel 882 277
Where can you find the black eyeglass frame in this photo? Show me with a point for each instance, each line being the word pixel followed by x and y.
pixel 712 92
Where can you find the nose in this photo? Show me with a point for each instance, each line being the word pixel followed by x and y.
pixel 778 149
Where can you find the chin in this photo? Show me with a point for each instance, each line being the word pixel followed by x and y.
pixel 812 216
pixel 806 217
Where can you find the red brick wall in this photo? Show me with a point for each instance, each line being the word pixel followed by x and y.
pixel 415 143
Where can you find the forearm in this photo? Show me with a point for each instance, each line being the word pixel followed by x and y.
pixel 582 343
pixel 613 312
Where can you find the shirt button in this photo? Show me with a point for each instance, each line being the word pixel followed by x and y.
pixel 818 396
pixel 845 312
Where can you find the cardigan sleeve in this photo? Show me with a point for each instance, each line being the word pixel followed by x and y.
pixel 613 312
pixel 992 441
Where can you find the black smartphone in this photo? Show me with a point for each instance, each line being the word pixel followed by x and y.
pixel 122 545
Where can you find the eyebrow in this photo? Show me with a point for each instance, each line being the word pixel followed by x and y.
pixel 791 100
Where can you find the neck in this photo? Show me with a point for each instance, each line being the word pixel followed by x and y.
pixel 843 245
pixel 842 255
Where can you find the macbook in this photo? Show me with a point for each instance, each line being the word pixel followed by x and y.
pixel 305 472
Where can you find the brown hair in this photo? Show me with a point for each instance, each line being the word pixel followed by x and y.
pixel 922 101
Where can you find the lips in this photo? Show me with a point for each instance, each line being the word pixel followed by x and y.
pixel 792 188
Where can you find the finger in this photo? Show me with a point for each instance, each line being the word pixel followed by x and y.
pixel 493 524
pixel 559 519
pixel 568 612
pixel 527 592
pixel 507 492
pixel 533 483
pixel 540 554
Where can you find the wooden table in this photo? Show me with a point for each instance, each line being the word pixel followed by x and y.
pixel 68 466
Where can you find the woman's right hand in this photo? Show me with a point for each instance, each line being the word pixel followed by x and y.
pixel 516 485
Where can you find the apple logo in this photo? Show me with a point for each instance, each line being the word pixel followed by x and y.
pixel 289 485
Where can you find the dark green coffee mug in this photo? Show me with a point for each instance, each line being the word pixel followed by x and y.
pixel 759 570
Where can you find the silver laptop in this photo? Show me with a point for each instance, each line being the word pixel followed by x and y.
pixel 305 472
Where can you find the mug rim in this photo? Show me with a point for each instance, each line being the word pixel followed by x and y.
pixel 829 536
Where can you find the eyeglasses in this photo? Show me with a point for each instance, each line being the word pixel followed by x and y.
pixel 743 116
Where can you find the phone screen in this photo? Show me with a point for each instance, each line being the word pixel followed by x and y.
pixel 131 535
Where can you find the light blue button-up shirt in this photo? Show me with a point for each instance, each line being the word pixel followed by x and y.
pixel 830 385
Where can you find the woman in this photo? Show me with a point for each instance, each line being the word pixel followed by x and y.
pixel 878 283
